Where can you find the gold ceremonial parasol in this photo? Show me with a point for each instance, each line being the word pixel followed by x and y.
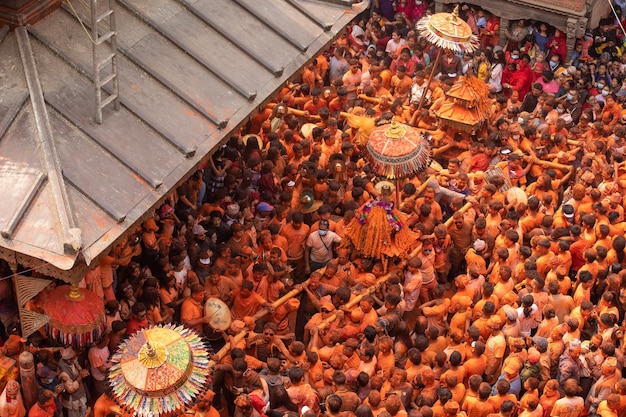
pixel 446 31
pixel 159 371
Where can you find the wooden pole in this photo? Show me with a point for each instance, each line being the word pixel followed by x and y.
pixel 239 336
pixel 376 100
pixel 461 210
pixel 297 112
pixel 430 80
pixel 28 379
pixel 356 300
pixel 554 165
pixel 424 185
pixel 282 300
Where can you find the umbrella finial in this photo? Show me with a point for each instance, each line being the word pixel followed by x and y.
pixel 395 130
pixel 74 293
pixel 152 355
pixel 150 351
pixel 455 12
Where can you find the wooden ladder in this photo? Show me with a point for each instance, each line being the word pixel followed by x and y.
pixel 104 56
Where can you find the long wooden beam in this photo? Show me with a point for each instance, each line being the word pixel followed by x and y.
pixel 376 100
pixel 239 336
pixel 297 112
pixel 461 210
pixel 357 299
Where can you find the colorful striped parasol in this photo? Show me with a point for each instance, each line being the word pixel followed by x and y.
pixel 76 316
pixel 159 371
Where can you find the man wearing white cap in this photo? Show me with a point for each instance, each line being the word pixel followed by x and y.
pixel 474 257
pixel 569 363
pixel 605 385
pixel 74 397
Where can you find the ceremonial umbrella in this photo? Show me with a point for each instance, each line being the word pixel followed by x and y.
pixel 159 371
pixel 446 31
pixel 76 316
pixel 397 151
pixel 379 230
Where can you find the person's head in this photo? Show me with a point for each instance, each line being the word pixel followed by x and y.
pixel 339 378
pixel 574 348
pixel 571 388
pixel 296 374
pixel 334 403
pixel 393 404
pixel 507 408
pixel 239 367
pixel 243 403
pixel 269 331
pixel 363 410
pixel 139 311
pixel 246 289
pixel 374 398
pixel 503 386
pixel 458 220
pixel 484 391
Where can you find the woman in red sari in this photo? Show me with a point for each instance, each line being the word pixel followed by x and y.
pixel 557 45
pixel 490 35
pixel 406 7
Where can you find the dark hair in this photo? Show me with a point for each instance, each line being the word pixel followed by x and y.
pixel 138 307
pixel 239 364
pixel 334 403
pixel 280 398
pixel 363 410
pixel 339 378
pixel 296 374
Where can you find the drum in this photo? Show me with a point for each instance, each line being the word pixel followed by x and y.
pixel 307 130
pixel 219 314
pixel 516 195
pixel 497 171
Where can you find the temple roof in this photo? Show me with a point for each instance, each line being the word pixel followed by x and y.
pixel 190 73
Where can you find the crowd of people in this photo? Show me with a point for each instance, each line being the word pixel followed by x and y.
pixel 511 305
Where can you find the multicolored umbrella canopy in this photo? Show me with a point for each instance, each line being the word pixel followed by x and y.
pixel 159 371
pixel 76 316
pixel 398 151
pixel 448 31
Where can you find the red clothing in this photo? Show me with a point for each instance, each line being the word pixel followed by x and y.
pixel 48 411
pixel 418 10
pixel 480 162
pixel 313 108
pixel 490 35
pixel 577 250
pixel 336 105
pixel 406 9
pixel 135 325
pixel 521 80
pixel 409 64
pixel 558 46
